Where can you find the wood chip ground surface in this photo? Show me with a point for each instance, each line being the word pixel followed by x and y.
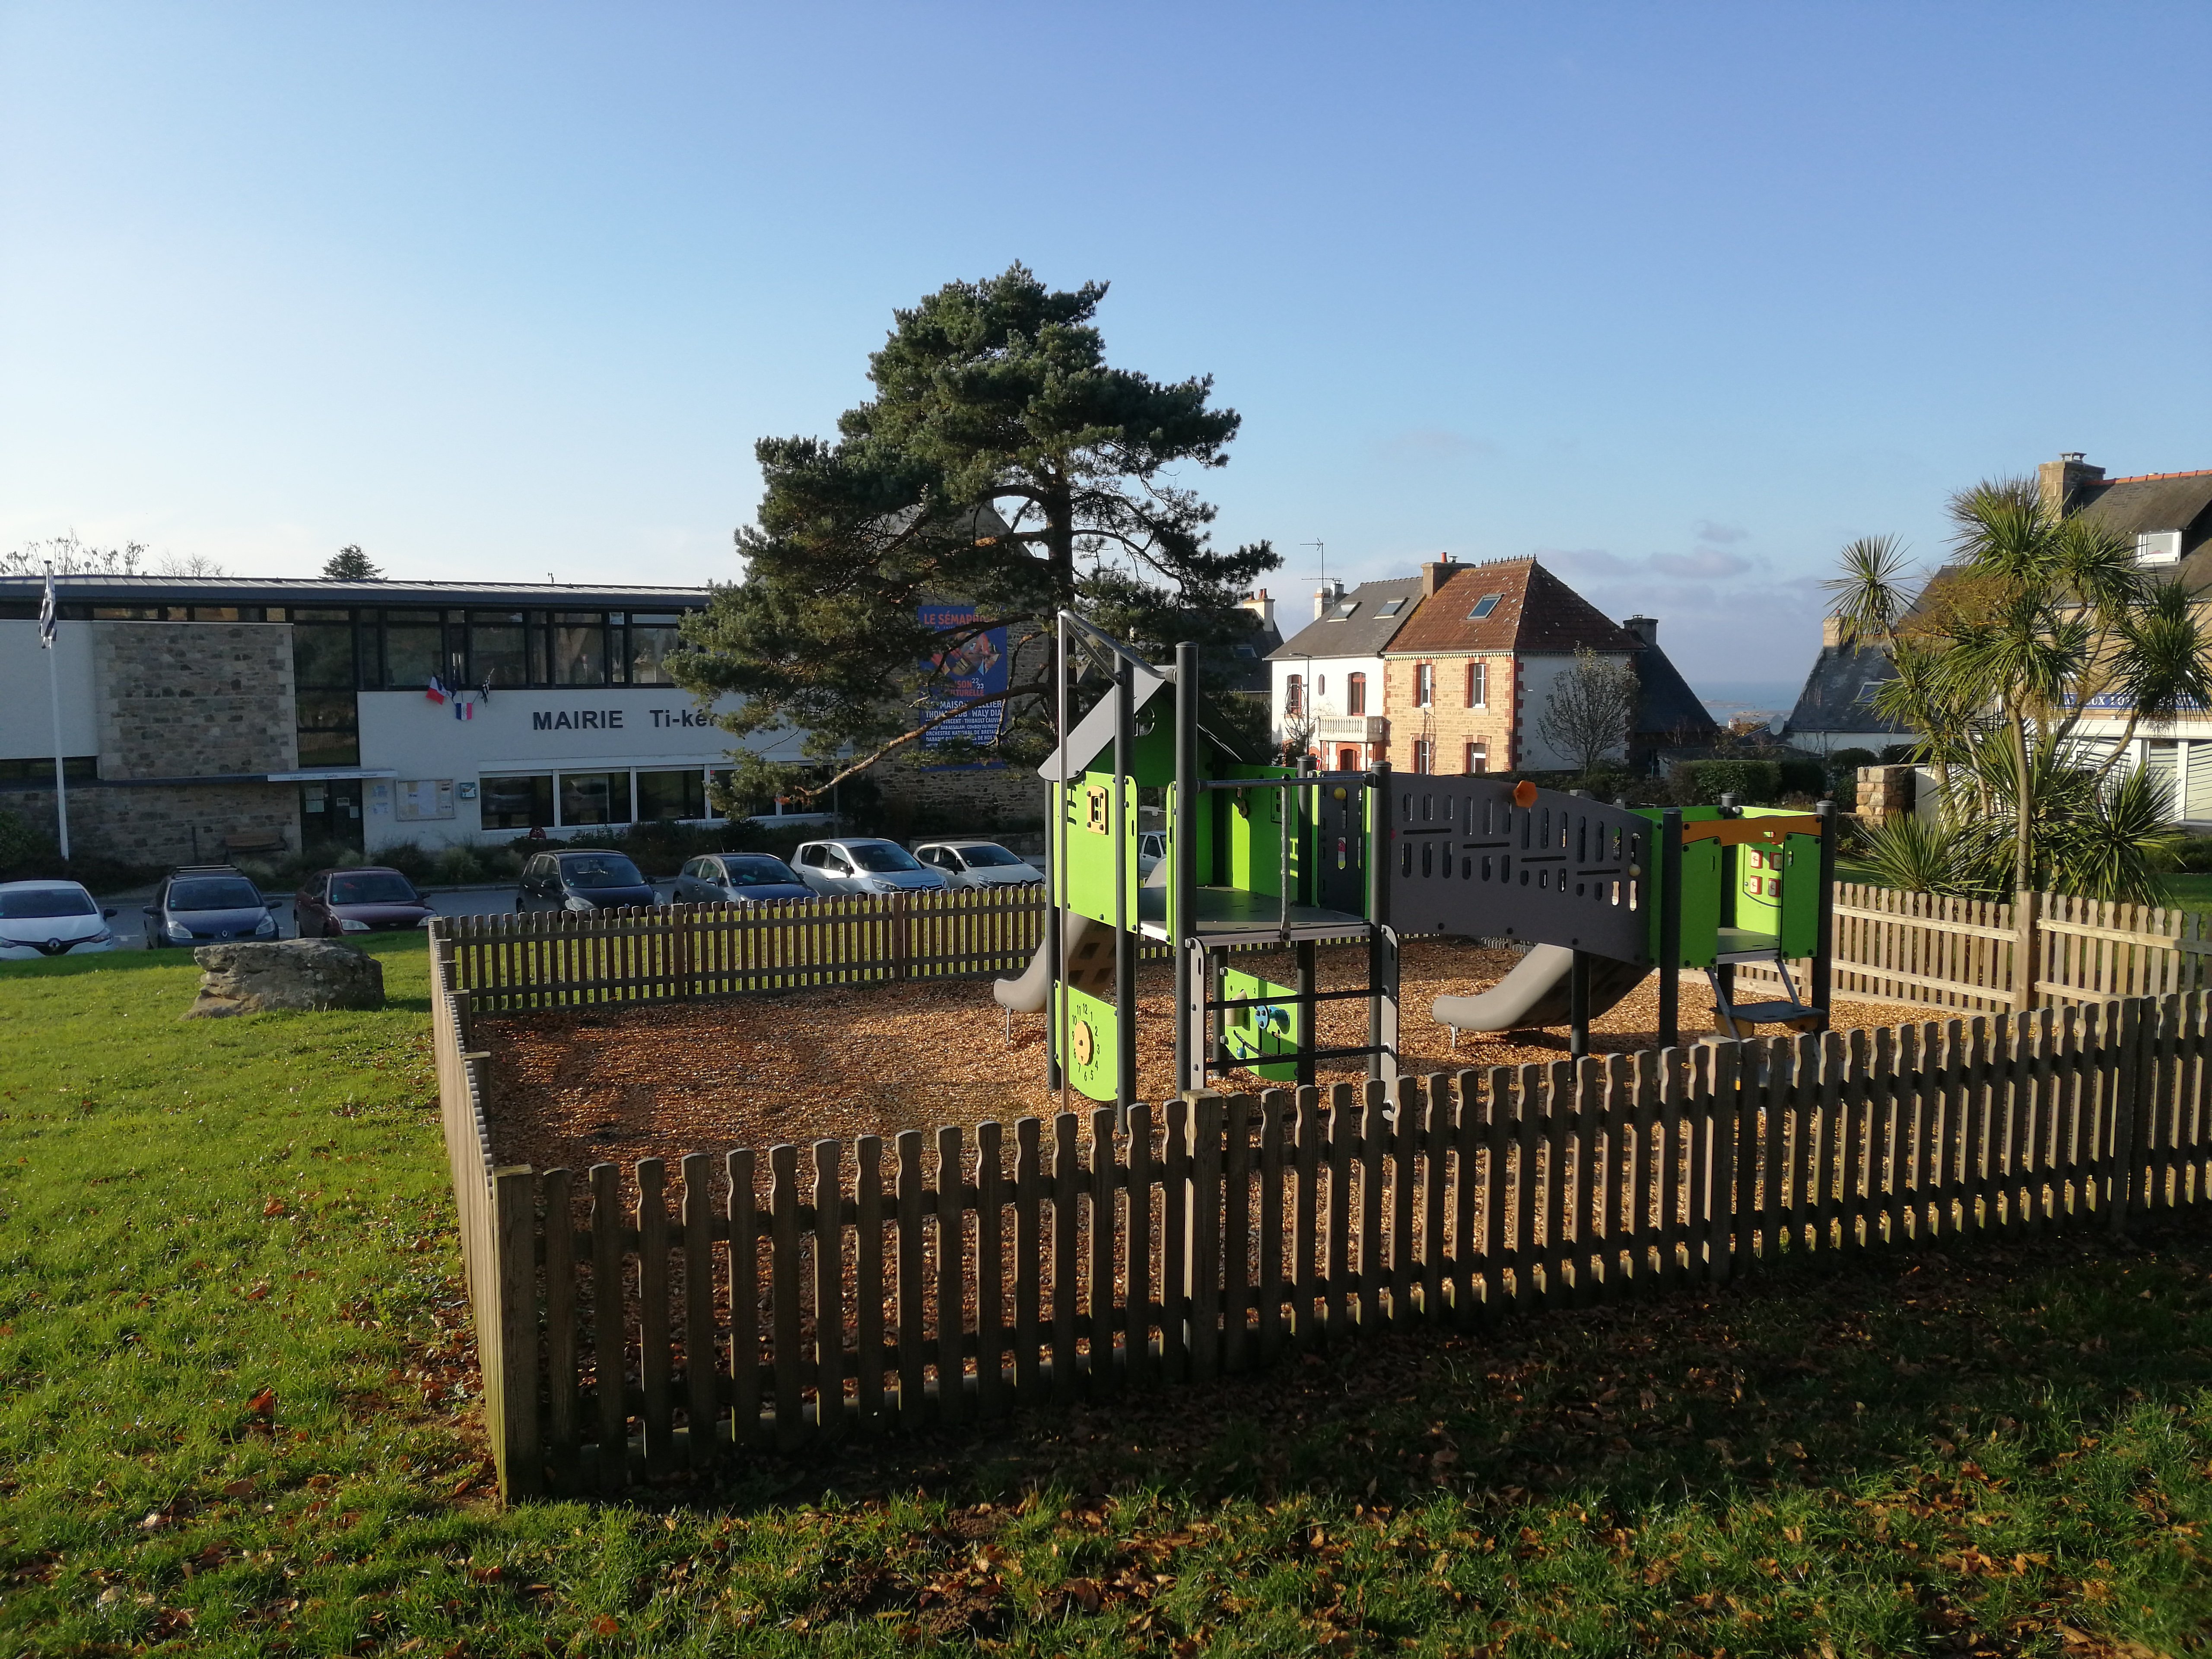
pixel 614 1083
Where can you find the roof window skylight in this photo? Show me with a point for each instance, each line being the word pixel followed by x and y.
pixel 1483 606
pixel 1344 611
pixel 1391 608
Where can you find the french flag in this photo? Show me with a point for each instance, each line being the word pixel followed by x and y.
pixel 435 691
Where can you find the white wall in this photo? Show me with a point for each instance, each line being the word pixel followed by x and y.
pixel 1328 704
pixel 1537 676
pixel 26 727
pixel 606 728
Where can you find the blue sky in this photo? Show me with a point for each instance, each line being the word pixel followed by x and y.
pixel 1680 298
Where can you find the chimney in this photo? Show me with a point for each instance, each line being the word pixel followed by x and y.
pixel 1645 628
pixel 2058 481
pixel 1832 632
pixel 1326 595
pixel 1435 576
pixel 1260 605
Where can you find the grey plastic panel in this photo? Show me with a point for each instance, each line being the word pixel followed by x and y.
pixel 1465 859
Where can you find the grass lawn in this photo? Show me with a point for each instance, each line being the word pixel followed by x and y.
pixel 236 1417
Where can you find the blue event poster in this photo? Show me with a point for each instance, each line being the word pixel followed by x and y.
pixel 973 665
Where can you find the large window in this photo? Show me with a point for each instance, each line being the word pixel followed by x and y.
pixel 1477 685
pixel 594 797
pixel 325 671
pixel 38 774
pixel 328 728
pixel 672 795
pixel 518 802
pixel 414 648
pixel 579 648
pixel 498 655
pixel 1355 694
pixel 651 639
pixel 1294 695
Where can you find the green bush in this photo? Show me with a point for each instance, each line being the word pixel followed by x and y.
pixel 2193 853
pixel 1703 782
pixel 24 850
pixel 459 864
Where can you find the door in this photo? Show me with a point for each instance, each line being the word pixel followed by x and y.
pixel 330 812
pixel 1347 760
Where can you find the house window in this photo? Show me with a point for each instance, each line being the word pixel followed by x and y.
pixel 1423 752
pixel 2158 547
pixel 1320 685
pixel 1355 694
pixel 1294 695
pixel 1424 684
pixel 1477 757
pixel 1478 685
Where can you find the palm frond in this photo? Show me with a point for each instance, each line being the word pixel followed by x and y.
pixel 1869 594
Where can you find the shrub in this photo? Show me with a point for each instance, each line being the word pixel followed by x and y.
pixel 24 849
pixel 2193 853
pixel 407 857
pixel 1703 782
pixel 459 864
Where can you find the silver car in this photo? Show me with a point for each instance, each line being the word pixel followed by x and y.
pixel 978 864
pixel 864 864
pixel 740 878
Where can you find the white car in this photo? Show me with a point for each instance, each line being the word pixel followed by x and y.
pixel 47 919
pixel 978 864
pixel 1152 848
pixel 862 863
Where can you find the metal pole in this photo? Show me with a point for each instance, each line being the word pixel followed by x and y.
pixel 1670 927
pixel 1378 915
pixel 1824 944
pixel 1308 1009
pixel 61 788
pixel 1579 1001
pixel 1125 938
pixel 1182 881
pixel 1056 1010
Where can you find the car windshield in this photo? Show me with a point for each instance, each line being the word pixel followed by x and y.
pixel 984 855
pixel 47 902
pixel 379 887
pixel 760 872
pixel 600 870
pixel 214 893
pixel 881 857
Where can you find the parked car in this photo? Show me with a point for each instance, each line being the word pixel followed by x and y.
pixel 978 864
pixel 1152 848
pixel 361 899
pixel 862 863
pixel 50 919
pixel 740 878
pixel 204 904
pixel 582 881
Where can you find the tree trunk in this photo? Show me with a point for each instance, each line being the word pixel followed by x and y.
pixel 2023 851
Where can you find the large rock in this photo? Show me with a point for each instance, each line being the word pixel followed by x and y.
pixel 247 978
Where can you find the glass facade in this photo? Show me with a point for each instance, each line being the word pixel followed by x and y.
pixel 524 802
pixel 589 798
pixel 671 794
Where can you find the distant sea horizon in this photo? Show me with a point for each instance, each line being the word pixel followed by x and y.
pixel 1725 699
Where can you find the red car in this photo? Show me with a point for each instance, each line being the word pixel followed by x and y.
pixel 365 899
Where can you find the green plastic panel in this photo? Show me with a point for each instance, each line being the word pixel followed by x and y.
pixel 1251 1032
pixel 1090 1060
pixel 1089 879
pixel 1702 876
pixel 1801 897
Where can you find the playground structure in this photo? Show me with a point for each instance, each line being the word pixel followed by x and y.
pixel 1290 857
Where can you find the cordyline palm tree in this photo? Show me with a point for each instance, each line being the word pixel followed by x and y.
pixel 2038 619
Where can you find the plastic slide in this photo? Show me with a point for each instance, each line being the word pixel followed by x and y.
pixel 1535 992
pixel 1090 967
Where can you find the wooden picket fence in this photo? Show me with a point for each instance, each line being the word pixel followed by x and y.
pixel 780 1295
pixel 1979 954
pixel 679 952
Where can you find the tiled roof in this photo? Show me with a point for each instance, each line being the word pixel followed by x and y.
pixel 1534 612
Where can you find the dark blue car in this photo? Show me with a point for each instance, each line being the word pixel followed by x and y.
pixel 207 904
pixel 582 881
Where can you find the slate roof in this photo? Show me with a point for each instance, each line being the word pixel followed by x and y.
pixel 1836 694
pixel 1366 632
pixel 1668 706
pixel 1536 613
pixel 2163 501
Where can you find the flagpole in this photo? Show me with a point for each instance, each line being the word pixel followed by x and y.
pixel 54 696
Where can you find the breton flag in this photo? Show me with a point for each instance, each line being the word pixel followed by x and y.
pixel 435 691
pixel 47 612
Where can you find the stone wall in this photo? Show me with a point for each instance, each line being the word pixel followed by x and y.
pixel 182 699
pixel 989 795
pixel 1450 725
pixel 161 824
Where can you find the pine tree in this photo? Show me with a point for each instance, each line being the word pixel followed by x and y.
pixel 1002 464
pixel 350 564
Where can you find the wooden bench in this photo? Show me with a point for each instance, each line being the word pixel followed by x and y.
pixel 254 841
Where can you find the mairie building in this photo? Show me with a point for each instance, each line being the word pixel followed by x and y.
pixel 204 717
